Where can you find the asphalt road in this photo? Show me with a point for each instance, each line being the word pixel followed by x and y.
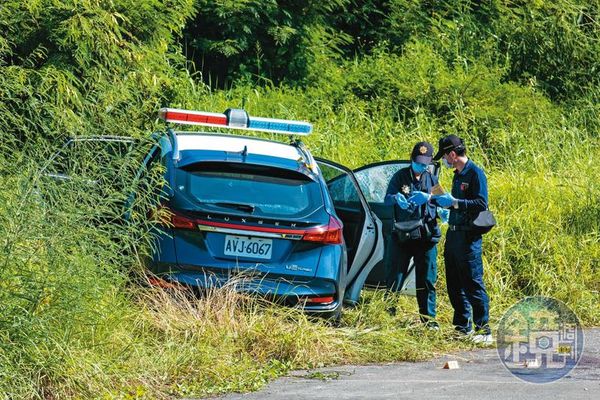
pixel 481 375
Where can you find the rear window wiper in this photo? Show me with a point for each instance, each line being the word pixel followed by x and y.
pixel 237 206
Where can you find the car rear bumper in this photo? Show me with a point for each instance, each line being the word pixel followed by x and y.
pixel 279 289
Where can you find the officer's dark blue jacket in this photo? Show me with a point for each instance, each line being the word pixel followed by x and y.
pixel 469 186
pixel 405 182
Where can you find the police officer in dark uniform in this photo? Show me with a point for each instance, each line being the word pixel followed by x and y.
pixel 462 251
pixel 409 191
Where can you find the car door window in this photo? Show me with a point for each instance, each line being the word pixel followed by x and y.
pixel 342 189
pixel 374 179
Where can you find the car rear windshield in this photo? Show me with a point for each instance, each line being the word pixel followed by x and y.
pixel 251 189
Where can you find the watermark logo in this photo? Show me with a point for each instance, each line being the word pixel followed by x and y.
pixel 539 339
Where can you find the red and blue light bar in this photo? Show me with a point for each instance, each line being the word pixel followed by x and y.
pixel 235 119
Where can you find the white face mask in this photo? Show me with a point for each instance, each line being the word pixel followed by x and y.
pixel 446 163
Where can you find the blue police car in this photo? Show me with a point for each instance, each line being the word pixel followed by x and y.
pixel 261 214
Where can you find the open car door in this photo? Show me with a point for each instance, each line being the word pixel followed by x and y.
pixel 362 228
pixel 91 159
pixel 96 170
pixel 373 180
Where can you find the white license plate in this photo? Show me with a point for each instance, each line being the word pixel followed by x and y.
pixel 248 247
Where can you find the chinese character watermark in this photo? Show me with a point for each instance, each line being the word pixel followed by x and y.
pixel 539 339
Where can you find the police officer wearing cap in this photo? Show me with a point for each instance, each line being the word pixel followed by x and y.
pixel 462 251
pixel 409 191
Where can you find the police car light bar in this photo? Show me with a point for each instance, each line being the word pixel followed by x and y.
pixel 235 119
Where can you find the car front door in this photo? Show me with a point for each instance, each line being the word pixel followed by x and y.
pixel 373 180
pixel 362 228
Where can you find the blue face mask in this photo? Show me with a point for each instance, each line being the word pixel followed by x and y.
pixel 418 168
pixel 446 163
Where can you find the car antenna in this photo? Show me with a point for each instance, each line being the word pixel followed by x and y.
pixel 244 153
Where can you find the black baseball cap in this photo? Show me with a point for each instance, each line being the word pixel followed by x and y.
pixel 422 153
pixel 447 144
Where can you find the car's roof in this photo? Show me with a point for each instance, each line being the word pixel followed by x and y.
pixel 232 143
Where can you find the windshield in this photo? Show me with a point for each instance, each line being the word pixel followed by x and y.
pixel 251 189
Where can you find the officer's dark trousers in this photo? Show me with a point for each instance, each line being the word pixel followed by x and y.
pixel 425 259
pixel 464 279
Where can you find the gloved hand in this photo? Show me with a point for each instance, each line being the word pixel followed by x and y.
pixel 401 201
pixel 419 198
pixel 444 214
pixel 444 200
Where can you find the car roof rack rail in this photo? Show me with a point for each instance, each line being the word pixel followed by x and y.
pixel 168 142
pixel 308 157
pixel 174 144
pixel 235 118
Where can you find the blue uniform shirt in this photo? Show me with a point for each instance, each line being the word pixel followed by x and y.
pixel 404 181
pixel 469 186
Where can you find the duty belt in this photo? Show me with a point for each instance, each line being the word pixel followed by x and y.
pixel 459 228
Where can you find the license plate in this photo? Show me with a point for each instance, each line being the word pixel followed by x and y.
pixel 248 247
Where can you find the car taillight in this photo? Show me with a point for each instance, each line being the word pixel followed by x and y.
pixel 330 234
pixel 320 300
pixel 173 219
pixel 182 222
